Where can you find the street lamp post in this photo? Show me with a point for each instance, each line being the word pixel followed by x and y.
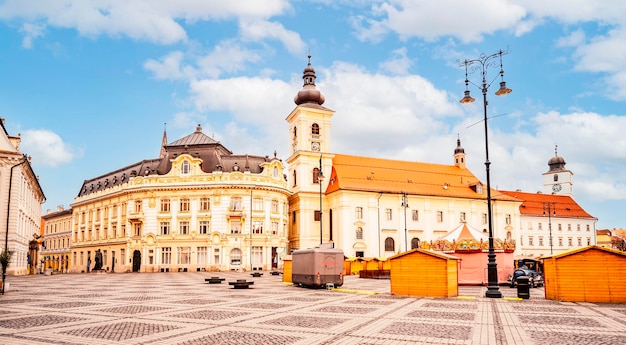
pixel 482 64
pixel 405 205
pixel 320 179
pixel 550 209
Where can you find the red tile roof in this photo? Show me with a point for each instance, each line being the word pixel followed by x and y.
pixel 533 204
pixel 368 174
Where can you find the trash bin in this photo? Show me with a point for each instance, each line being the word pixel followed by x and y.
pixel 523 287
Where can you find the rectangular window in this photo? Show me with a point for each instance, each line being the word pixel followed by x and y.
pixel 216 256
pixel 293 217
pixel 184 255
pixel 507 219
pixel 183 228
pixel 588 241
pixel 274 206
pixel 521 240
pixel 137 207
pixel 184 205
pixel 569 227
pixel 439 216
pixel 484 218
pixel 462 217
pixel 560 241
pixel 235 203
pixel 137 229
pixel 235 228
pixel 580 241
pixel 165 228
pixel 559 227
pixel 257 256
pixel 577 227
pixel 388 214
pixel 123 256
pixel 202 256
pixel 257 204
pixel 165 205
pixel 274 228
pixel 539 226
pixel 358 213
pixel 257 227
pixel 415 215
pixel 205 204
pixel 203 227
pixel 530 241
pixel 166 255
pixel 541 241
pixel 587 227
pixel 569 242
pixel 317 215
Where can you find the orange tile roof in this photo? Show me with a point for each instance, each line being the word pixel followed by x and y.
pixel 368 174
pixel 533 204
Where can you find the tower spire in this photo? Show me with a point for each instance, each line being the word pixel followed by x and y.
pixel 164 141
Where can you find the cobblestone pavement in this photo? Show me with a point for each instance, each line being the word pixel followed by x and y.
pixel 180 308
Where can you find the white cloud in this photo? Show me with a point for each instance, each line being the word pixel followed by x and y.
pixel 150 20
pixel 574 39
pixel 31 31
pixel 398 64
pixel 227 56
pixel 258 30
pixel 47 148
pixel 169 67
pixel 430 20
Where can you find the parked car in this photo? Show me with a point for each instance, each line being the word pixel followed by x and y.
pixel 535 279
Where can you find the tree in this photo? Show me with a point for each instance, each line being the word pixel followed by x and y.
pixel 5 260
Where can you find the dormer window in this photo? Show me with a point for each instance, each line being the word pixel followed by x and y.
pixel 315 129
pixel 184 169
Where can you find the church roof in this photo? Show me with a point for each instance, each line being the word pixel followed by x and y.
pixel 561 206
pixel 369 174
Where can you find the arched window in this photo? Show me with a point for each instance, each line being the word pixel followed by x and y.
pixel 359 233
pixel 235 256
pixel 415 243
pixel 295 132
pixel 295 181
pixel 316 175
pixel 390 245
pixel 184 169
pixel 275 172
pixel 508 235
pixel 556 177
pixel 315 129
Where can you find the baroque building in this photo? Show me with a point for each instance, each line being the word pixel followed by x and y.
pixel 21 196
pixel 197 207
pixel 374 207
pixel 55 248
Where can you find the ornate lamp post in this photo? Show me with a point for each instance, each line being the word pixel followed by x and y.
pixel 482 64
pixel 550 209
pixel 320 179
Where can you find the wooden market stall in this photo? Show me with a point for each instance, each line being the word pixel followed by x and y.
pixel 287 269
pixel 420 272
pixel 588 274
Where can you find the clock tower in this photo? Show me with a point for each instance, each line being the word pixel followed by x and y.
pixel 310 165
pixel 558 180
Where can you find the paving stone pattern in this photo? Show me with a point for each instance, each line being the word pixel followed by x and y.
pixel 181 308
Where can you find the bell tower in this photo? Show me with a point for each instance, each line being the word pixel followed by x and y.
pixel 558 180
pixel 310 161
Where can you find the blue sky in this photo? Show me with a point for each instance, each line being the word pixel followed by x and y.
pixel 90 85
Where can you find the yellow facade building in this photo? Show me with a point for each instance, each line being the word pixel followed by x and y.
pixel 197 207
pixel 55 248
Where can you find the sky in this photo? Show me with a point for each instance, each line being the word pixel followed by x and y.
pixel 90 85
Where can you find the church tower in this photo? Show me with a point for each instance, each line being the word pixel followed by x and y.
pixel 558 180
pixel 310 163
pixel 459 154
